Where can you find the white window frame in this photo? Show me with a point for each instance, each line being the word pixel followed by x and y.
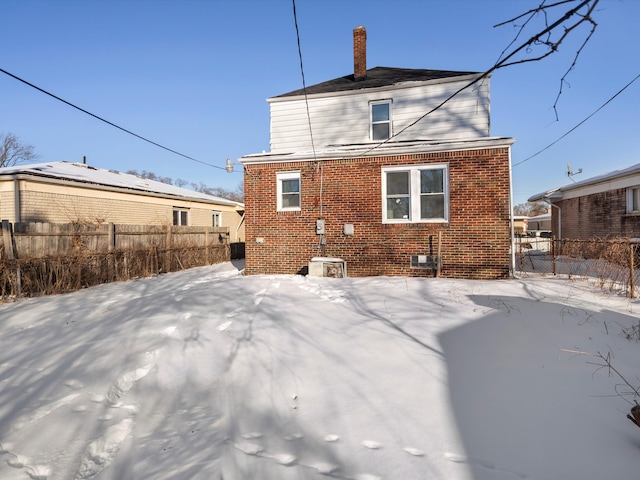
pixel 414 192
pixel 180 211
pixel 372 123
pixel 216 218
pixel 280 177
pixel 633 197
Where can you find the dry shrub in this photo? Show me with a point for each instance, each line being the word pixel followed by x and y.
pixel 73 271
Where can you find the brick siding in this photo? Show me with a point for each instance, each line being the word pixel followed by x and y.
pixel 600 215
pixel 475 242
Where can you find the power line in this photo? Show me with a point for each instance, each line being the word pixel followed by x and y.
pixel 579 124
pixel 107 121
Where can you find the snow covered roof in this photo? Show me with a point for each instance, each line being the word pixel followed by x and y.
pixel 606 180
pixel 80 172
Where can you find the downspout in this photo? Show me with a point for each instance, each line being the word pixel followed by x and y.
pixel 16 199
pixel 511 228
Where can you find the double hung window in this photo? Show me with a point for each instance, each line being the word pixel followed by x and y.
pixel 180 217
pixel 289 197
pixel 380 120
pixel 415 193
pixel 217 219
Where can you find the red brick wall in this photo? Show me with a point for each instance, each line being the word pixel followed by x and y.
pixel 601 215
pixel 475 242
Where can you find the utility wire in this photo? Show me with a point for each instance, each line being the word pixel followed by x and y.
pixel 579 124
pixel 304 85
pixel 108 122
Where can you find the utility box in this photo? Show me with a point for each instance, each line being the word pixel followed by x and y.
pixel 327 267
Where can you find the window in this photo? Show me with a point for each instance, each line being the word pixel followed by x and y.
pixel 633 200
pixel 180 217
pixel 288 191
pixel 415 193
pixel 217 219
pixel 380 120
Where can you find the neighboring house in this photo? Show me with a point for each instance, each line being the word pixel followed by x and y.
pixel 338 183
pixel 62 192
pixel 605 206
pixel 539 223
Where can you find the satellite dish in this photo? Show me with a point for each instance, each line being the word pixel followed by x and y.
pixel 571 173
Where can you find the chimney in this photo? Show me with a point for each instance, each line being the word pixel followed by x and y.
pixel 359 53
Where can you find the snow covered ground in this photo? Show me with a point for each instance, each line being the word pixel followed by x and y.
pixel 206 374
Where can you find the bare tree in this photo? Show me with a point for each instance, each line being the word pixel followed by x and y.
pixel 13 151
pixel 531 209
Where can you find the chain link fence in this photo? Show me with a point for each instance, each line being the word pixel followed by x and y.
pixel 613 264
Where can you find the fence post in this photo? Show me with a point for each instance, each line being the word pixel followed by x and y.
pixel 631 271
pixel 11 252
pixel 554 250
pixel 206 245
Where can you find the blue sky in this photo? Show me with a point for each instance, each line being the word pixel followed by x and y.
pixel 194 76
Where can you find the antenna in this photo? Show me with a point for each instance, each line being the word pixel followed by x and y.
pixel 571 173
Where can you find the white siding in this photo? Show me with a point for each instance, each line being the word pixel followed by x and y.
pixel 344 119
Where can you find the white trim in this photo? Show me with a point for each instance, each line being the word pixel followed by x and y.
pixel 389 121
pixel 280 176
pixel 415 193
pixel 380 150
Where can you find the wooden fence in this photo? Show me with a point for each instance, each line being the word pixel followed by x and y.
pixel 43 258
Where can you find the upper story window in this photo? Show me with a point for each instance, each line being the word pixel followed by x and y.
pixel 180 217
pixel 217 219
pixel 381 120
pixel 633 200
pixel 415 193
pixel 288 191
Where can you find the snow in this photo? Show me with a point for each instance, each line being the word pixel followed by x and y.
pixel 207 374
pixel 85 173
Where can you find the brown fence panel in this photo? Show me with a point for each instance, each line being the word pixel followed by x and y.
pixel 58 258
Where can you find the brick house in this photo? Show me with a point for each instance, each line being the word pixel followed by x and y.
pixel 64 192
pixel 371 186
pixel 606 206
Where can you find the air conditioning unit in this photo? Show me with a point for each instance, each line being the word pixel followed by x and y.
pixel 327 267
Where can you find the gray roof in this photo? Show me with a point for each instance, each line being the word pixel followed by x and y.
pixel 556 193
pixel 377 77
pixel 79 172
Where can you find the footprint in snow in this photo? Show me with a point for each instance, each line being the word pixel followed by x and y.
pixel 18 461
pixel 248 448
pixel 293 436
pixel 38 472
pixel 74 384
pixel 285 459
pixel 258 297
pixel 414 451
pixel 331 438
pixel 325 468
pixel 101 451
pixel 251 435
pixel 225 326
pixel 125 382
pixel 371 444
pixel 455 457
pixel 367 476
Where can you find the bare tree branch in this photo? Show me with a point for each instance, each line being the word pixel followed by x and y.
pixel 13 151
